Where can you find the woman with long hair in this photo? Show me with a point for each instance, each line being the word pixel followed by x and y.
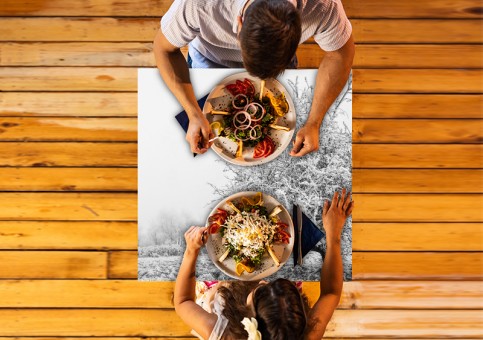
pixel 255 311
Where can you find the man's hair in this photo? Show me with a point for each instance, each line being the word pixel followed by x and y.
pixel 269 37
pixel 280 310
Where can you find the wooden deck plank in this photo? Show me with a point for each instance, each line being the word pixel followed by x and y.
pixel 16 104
pixel 122 207
pixel 68 154
pixel 367 9
pixel 68 79
pixel 419 266
pixel 68 179
pixel 147 322
pixel 125 79
pixel 68 206
pixel 452 131
pixel 417 81
pixel 417 181
pixel 44 154
pixel 68 129
pixel 416 156
pixel 428 237
pixel 140 55
pixel 61 235
pixel 125 179
pixel 52 265
pixel 405 31
pixel 418 208
pixel 416 106
pixel 125 130
pixel 134 294
pixel 365 265
pixel 58 104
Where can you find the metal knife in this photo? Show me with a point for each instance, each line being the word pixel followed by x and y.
pixel 299 224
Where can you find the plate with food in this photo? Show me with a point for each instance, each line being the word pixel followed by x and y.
pixel 250 235
pixel 253 120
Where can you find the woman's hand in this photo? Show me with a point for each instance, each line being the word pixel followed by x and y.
pixel 199 133
pixel 195 238
pixel 335 213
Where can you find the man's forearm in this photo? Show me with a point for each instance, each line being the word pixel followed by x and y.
pixel 331 277
pixel 174 70
pixel 332 75
pixel 186 280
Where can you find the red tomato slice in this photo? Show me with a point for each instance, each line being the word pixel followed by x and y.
pixel 260 149
pixel 233 89
pixel 250 87
pixel 213 228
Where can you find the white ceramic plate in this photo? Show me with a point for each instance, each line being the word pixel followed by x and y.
pixel 219 99
pixel 267 267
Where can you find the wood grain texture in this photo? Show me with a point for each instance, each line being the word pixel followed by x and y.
pixel 310 55
pixel 417 81
pixel 450 131
pixel 123 264
pixel 142 30
pixel 68 129
pixel 367 9
pixel 147 322
pixel 68 206
pixel 133 294
pixel 68 179
pixel 431 106
pixel 125 105
pixel 125 79
pixel 418 208
pixel 365 265
pixel 417 156
pixel 68 235
pixel 68 79
pixel 68 154
pixel 417 181
pixel 401 56
pixel 58 104
pixel 52 265
pixel 417 236
pixel 419 266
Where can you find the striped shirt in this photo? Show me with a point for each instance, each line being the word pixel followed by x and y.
pixel 210 28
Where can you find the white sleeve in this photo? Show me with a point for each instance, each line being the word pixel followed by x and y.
pixel 181 24
pixel 335 29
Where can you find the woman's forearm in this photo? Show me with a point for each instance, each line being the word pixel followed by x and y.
pixel 331 276
pixel 186 280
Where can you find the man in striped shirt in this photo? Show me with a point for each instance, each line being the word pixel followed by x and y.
pixel 261 36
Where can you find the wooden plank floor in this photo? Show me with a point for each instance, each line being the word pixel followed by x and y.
pixel 68 179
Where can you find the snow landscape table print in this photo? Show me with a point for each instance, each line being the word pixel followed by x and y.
pixel 177 190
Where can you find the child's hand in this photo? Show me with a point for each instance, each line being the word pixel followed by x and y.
pixel 195 238
pixel 335 213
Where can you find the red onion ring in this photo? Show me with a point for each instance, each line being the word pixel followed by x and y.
pixel 236 97
pixel 254 111
pixel 239 123
pixel 254 129
pixel 235 133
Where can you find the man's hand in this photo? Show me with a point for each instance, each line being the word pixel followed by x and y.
pixel 335 213
pixel 195 238
pixel 306 141
pixel 199 133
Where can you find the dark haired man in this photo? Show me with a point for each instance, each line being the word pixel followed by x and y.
pixel 262 36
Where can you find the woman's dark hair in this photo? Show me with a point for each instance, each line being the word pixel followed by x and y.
pixel 235 308
pixel 280 310
pixel 269 37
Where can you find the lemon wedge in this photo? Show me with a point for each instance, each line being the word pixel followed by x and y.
pixel 217 127
pixel 240 268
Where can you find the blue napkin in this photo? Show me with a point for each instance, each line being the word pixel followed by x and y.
pixel 183 119
pixel 311 235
